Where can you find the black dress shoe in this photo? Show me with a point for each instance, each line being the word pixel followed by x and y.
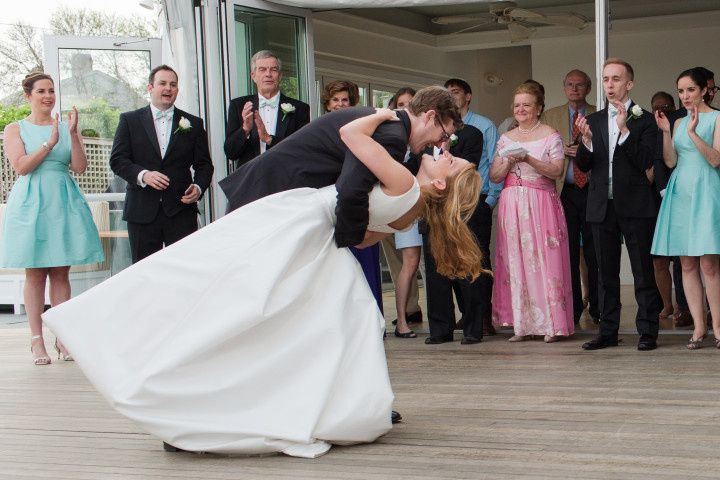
pixel 169 448
pixel 395 417
pixel 647 343
pixel 470 340
pixel 488 328
pixel 438 341
pixel 411 318
pixel 600 342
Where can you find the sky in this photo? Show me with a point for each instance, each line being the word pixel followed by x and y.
pixel 37 12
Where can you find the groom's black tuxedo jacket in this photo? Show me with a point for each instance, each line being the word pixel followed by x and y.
pixel 242 148
pixel 633 195
pixel 136 148
pixel 317 157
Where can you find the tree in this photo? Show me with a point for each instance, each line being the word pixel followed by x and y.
pixel 20 54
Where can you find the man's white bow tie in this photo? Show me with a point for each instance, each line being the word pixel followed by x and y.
pixel 268 104
pixel 166 114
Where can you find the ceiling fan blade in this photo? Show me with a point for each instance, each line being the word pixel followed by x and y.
pixel 567 19
pixel 452 19
pixel 467 29
pixel 523 13
pixel 519 32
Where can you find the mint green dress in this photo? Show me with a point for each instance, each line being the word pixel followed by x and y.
pixel 688 223
pixel 47 222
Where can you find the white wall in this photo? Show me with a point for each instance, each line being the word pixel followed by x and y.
pixel 657 58
pixel 387 58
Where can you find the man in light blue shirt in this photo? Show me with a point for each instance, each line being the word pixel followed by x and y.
pixel 462 93
pixel 481 224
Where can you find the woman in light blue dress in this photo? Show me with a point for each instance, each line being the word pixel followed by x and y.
pixel 688 223
pixel 47 224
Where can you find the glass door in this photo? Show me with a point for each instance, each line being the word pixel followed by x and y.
pixel 258 25
pixel 102 78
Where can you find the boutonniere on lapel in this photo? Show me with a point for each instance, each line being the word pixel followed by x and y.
pixel 453 140
pixel 287 109
pixel 635 113
pixel 183 126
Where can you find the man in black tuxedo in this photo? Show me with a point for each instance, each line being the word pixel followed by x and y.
pixel 317 157
pixel 259 122
pixel 154 149
pixel 618 146
pixel 439 289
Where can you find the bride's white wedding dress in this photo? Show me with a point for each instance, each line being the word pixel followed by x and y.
pixel 254 335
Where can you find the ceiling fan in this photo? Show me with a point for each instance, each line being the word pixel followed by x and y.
pixel 519 21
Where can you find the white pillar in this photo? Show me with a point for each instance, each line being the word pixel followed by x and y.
pixel 212 91
pixel 602 20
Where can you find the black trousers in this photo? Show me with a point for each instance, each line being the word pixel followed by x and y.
pixel 574 202
pixel 638 235
pixel 474 298
pixel 148 238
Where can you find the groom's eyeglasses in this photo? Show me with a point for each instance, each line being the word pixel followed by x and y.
pixel 446 136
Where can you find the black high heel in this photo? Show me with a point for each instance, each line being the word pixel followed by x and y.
pixel 409 334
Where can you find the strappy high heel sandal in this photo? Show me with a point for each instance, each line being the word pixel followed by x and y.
pixel 41 359
pixel 65 356
pixel 696 343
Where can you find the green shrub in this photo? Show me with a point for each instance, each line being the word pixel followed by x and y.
pixel 12 113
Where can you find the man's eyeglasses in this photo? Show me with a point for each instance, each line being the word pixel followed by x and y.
pixel 713 89
pixel 446 136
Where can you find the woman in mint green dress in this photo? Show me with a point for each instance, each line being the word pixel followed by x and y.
pixel 688 223
pixel 47 223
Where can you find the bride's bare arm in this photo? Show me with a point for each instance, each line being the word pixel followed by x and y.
pixel 357 135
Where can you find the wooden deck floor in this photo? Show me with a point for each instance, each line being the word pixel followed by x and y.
pixel 495 410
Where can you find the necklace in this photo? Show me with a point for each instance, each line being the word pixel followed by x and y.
pixel 529 130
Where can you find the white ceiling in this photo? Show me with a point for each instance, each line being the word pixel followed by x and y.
pixel 417 14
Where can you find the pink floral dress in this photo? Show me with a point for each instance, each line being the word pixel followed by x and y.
pixel 532 291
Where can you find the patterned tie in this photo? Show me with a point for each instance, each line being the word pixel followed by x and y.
pixel 580 176
pixel 166 114
pixel 268 104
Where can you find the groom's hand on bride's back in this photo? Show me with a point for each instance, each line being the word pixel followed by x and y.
pixel 371 238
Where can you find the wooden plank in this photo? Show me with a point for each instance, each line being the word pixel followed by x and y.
pixel 495 410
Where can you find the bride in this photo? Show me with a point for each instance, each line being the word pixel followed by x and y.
pixel 257 334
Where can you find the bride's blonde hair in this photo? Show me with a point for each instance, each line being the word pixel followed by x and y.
pixel 447 211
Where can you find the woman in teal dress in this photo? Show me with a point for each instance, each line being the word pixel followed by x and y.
pixel 47 224
pixel 688 223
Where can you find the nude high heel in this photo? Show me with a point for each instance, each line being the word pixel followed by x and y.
pixel 42 359
pixel 66 357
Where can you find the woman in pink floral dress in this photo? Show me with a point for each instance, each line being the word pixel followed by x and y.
pixel 532 290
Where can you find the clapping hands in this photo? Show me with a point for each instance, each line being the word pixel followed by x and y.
pixel 55 133
pixel 694 118
pixel 72 120
pixel 584 128
pixel 662 121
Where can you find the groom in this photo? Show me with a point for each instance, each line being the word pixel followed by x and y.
pixel 316 157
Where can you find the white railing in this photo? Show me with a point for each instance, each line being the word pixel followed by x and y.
pixel 96 178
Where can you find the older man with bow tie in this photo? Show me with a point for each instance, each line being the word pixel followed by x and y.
pixel 260 121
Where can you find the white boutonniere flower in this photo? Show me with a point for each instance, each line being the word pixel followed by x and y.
pixel 635 112
pixel 183 125
pixel 287 109
pixel 453 140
